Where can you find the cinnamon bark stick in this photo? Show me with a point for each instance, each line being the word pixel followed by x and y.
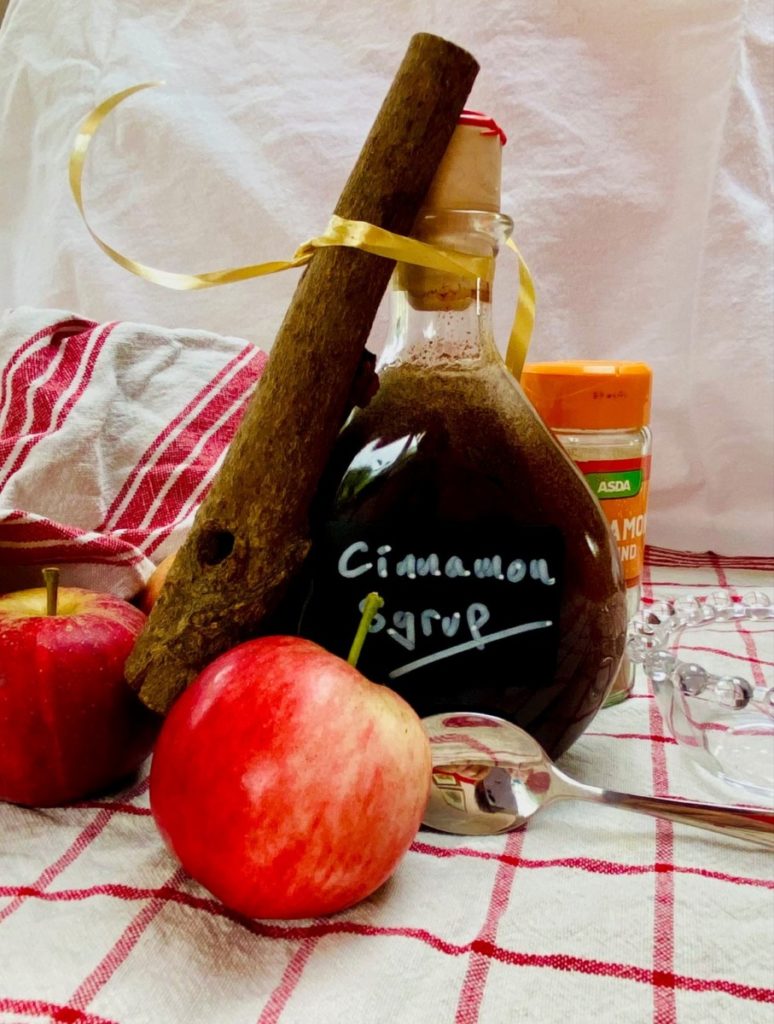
pixel 252 532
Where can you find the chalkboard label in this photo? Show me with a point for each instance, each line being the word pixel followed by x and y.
pixel 462 604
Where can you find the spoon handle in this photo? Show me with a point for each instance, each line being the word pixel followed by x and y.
pixel 753 824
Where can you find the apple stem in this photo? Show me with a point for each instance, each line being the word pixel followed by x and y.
pixel 371 606
pixel 51 578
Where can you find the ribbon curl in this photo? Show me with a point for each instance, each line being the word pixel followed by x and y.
pixel 340 231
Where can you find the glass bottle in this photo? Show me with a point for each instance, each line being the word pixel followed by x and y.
pixel 449 496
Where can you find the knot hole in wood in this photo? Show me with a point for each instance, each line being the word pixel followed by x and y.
pixel 214 545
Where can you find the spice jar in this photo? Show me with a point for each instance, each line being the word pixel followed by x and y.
pixel 599 412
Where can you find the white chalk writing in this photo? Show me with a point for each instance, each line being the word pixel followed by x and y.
pixel 354 562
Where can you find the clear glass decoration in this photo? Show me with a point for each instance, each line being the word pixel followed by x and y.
pixel 724 723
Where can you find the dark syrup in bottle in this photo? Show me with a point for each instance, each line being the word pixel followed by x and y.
pixel 502 591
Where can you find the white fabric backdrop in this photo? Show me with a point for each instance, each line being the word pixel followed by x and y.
pixel 638 169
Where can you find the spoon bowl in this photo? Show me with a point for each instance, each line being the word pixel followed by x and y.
pixel 489 776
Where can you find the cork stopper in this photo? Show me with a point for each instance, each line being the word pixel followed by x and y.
pixel 468 177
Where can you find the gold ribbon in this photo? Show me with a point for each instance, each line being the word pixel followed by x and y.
pixel 340 231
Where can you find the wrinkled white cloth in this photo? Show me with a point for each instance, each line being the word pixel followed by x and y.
pixel 638 169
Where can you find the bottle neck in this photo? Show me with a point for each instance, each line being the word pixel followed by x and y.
pixel 437 318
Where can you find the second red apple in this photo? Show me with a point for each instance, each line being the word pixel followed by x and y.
pixel 287 783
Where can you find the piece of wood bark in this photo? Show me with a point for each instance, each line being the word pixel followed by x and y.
pixel 252 532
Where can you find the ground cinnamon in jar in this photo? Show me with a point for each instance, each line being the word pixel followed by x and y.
pixel 599 412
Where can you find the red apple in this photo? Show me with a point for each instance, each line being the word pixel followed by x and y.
pixel 287 783
pixel 69 724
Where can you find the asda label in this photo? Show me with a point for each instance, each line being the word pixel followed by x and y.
pixel 622 484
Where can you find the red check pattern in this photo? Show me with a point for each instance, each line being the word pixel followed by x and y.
pixel 587 914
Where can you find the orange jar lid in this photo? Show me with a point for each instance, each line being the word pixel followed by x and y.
pixel 590 394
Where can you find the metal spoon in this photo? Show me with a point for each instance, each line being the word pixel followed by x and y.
pixel 489 776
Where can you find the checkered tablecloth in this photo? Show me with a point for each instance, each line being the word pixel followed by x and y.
pixel 588 914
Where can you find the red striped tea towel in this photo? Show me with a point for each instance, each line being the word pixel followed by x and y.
pixel 110 435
